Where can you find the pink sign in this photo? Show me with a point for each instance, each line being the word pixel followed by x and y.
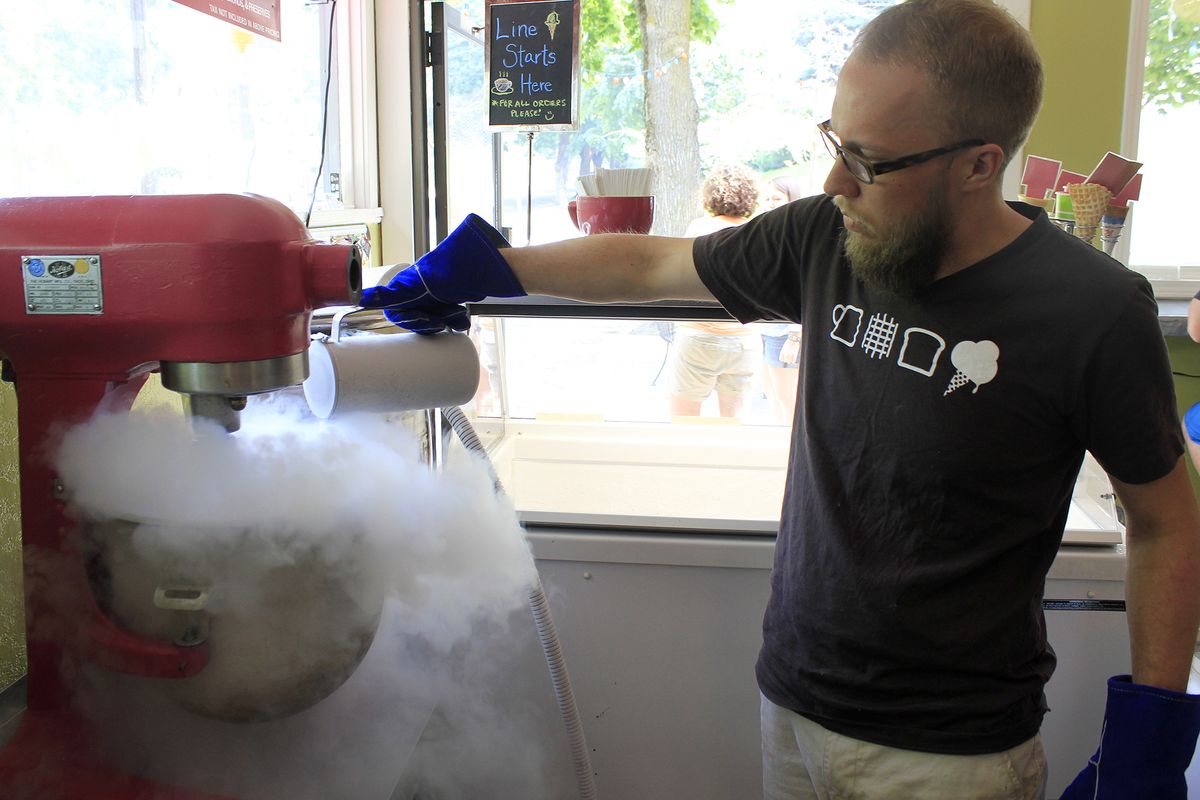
pixel 1114 172
pixel 1132 191
pixel 1041 176
pixel 256 16
pixel 1066 176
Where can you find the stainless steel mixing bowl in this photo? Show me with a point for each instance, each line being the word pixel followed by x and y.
pixel 288 615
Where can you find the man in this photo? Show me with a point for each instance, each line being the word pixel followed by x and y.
pixel 960 356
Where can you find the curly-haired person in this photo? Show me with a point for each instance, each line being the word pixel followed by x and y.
pixel 729 195
pixel 710 355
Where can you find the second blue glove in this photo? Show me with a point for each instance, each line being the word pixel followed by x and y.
pixel 465 267
pixel 1146 745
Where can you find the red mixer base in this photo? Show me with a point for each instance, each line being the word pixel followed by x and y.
pixel 48 760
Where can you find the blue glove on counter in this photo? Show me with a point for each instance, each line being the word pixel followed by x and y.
pixel 466 267
pixel 1145 745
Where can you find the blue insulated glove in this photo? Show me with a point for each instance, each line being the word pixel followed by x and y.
pixel 1146 744
pixel 466 267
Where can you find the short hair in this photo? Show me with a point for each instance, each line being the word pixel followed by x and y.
pixel 984 68
pixel 790 186
pixel 730 190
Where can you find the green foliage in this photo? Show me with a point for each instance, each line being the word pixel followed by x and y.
pixel 611 91
pixel 1172 59
pixel 610 26
pixel 766 161
pixel 720 87
pixel 612 112
pixel 42 64
pixel 704 21
pixel 603 30
pixel 828 36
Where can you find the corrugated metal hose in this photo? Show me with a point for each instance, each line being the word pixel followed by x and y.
pixel 545 628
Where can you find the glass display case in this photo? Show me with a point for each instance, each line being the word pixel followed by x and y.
pixel 575 407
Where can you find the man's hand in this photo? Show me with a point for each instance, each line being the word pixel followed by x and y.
pixel 466 267
pixel 1146 744
pixel 790 352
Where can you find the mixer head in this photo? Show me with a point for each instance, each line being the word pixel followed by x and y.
pixel 218 391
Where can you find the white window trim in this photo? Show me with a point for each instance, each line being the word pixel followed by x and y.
pixel 396 170
pixel 1170 281
pixel 354 30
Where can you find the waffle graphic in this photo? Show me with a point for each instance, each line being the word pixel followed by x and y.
pixel 881 332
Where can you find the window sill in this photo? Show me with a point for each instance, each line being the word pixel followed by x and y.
pixel 345 216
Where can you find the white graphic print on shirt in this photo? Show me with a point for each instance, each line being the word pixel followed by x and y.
pixel 974 362
pixel 913 335
pixel 881 332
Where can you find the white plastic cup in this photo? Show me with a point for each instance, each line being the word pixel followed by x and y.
pixel 386 372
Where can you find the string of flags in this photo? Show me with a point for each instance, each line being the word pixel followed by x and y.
pixel 643 74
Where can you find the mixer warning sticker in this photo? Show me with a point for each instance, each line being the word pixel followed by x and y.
pixel 62 284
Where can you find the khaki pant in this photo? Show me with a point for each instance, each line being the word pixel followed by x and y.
pixel 804 761
pixel 700 362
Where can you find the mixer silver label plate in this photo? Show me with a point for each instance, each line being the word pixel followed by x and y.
pixel 62 284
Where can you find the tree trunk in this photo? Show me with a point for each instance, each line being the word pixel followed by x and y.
pixel 672 143
pixel 585 159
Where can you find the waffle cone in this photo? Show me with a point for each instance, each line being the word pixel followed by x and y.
pixel 1114 214
pixel 1088 200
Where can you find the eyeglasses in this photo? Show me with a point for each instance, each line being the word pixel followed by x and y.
pixel 866 171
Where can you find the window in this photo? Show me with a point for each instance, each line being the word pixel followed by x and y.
pixel 609 369
pixel 761 90
pixel 1163 114
pixel 151 96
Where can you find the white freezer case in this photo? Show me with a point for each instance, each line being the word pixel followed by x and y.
pixel 690 476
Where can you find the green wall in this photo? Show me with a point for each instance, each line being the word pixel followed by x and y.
pixel 1084 45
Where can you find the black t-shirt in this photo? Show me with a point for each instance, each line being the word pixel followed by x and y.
pixel 934 452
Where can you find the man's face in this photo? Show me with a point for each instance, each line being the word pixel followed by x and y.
pixel 896 229
pixel 902 254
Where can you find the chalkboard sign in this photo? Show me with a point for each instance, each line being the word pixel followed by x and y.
pixel 533 64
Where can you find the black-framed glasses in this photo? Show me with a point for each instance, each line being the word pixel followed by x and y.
pixel 866 171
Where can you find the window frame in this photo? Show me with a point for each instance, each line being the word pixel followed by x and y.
pixel 357 126
pixel 1169 281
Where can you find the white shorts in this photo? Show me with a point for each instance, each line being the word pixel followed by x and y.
pixel 700 362
pixel 804 761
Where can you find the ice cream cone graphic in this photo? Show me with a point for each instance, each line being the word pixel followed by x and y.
pixel 974 362
pixel 959 380
pixel 552 22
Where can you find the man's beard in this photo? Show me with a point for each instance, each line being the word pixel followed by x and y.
pixel 904 259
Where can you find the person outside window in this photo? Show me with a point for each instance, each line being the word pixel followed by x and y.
pixel 713 355
pixel 1191 419
pixel 960 356
pixel 781 340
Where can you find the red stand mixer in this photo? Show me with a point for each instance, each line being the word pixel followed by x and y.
pixel 215 292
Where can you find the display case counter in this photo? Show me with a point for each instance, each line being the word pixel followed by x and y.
pixel 1172 313
pixel 694 476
